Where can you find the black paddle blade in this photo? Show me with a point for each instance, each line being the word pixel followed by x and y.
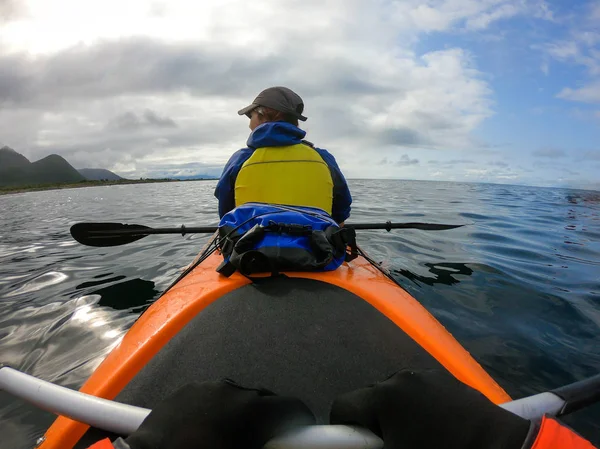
pixel 389 226
pixel 107 234
pixel 428 226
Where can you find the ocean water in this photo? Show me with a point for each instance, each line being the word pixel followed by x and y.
pixel 518 286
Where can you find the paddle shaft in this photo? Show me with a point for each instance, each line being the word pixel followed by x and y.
pixel 388 226
pixel 579 394
pixel 183 230
pixel 148 231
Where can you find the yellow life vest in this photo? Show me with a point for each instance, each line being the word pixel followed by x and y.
pixel 294 175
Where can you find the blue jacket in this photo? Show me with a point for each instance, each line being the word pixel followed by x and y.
pixel 276 134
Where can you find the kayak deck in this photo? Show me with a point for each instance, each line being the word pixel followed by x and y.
pixel 313 335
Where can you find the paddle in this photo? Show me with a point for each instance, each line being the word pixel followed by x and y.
pixel 125 419
pixel 115 234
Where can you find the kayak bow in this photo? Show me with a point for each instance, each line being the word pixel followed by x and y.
pixel 309 335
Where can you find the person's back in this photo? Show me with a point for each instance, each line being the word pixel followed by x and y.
pixel 278 166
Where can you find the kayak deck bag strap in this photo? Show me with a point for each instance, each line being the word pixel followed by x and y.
pixel 261 238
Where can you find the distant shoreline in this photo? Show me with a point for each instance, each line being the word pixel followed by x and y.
pixel 37 188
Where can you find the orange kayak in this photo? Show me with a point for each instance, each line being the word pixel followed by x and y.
pixel 309 335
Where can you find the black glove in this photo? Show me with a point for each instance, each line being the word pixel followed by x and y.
pixel 219 415
pixel 430 409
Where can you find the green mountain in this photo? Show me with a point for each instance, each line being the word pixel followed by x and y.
pixel 10 159
pixel 99 174
pixel 16 170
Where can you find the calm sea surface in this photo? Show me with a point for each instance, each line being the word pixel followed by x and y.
pixel 519 286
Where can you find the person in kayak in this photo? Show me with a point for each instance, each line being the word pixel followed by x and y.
pixel 278 166
pixel 409 410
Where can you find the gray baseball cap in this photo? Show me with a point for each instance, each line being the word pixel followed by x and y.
pixel 279 98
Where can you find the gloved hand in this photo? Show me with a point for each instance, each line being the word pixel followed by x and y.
pixel 219 415
pixel 430 409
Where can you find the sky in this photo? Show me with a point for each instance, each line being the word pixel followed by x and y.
pixel 501 91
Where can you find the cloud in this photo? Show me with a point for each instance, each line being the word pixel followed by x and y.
pixel 432 101
pixel 477 171
pixel 149 119
pixel 586 94
pixel 551 153
pixel 483 20
pixel 575 52
pixel 541 10
pixel 501 175
pixel 461 161
pixel 591 155
pixel 580 48
pixel 587 37
pixel 174 170
pixel 498 164
pixel 593 15
pixel 472 15
pixel 137 65
pixel 366 88
pixel 403 136
pixel 563 50
pixel 9 10
pixel 451 162
pixel 405 161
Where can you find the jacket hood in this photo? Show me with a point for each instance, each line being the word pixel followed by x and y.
pixel 275 134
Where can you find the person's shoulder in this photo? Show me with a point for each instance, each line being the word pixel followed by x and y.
pixel 321 151
pixel 240 156
pixel 242 152
pixel 326 155
pixel 235 162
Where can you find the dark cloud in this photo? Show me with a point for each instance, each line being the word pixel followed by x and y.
pixel 149 119
pixel 140 65
pixel 401 136
pixel 402 162
pixel 405 160
pixel 104 149
pixel 551 153
pixel 153 119
pixel 128 66
pixel 498 164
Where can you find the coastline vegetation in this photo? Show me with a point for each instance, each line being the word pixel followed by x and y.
pixel 4 190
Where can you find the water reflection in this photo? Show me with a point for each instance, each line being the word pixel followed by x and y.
pixel 444 273
pixel 39 282
pixel 134 295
